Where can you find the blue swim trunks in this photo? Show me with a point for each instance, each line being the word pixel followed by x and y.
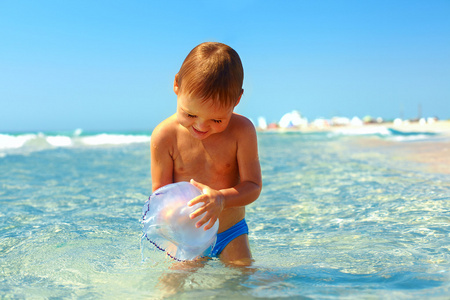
pixel 224 238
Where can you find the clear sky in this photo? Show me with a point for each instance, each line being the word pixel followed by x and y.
pixel 110 65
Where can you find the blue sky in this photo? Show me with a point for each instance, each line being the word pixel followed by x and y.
pixel 109 65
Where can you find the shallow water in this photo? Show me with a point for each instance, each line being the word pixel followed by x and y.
pixel 333 221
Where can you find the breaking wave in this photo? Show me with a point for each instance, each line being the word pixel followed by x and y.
pixel 24 143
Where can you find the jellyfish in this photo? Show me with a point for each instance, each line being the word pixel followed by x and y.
pixel 169 228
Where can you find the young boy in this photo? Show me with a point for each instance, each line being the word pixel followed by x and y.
pixel 208 144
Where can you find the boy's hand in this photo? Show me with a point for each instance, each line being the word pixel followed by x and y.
pixel 213 203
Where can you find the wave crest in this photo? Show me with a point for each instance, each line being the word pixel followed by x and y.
pixel 31 142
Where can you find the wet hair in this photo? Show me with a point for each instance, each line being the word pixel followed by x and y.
pixel 212 71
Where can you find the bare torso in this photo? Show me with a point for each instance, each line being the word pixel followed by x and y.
pixel 212 161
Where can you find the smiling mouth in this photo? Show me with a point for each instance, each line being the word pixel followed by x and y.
pixel 199 131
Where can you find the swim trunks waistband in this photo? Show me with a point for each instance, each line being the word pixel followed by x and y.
pixel 224 238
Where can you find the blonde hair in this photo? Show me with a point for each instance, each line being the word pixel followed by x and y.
pixel 212 71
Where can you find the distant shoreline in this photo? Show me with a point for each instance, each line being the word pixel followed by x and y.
pixel 433 154
pixel 438 127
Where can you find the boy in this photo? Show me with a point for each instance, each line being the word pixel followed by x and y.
pixel 206 143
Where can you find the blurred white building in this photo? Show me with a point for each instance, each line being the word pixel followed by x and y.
pixel 356 122
pixel 340 121
pixel 262 123
pixel 292 119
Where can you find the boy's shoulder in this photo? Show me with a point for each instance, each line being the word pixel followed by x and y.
pixel 241 124
pixel 165 130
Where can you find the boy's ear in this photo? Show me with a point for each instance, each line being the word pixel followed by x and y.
pixel 175 85
pixel 239 99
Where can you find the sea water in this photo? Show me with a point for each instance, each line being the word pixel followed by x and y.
pixel 334 221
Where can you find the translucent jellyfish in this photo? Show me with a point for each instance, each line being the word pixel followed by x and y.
pixel 167 225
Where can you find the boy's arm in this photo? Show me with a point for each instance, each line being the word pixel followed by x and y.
pixel 250 185
pixel 161 150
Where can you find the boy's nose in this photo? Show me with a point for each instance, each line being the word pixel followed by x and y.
pixel 201 125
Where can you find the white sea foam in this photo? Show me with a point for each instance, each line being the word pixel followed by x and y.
pixel 412 138
pixel 14 142
pixel 78 132
pixel 59 141
pixel 31 142
pixel 365 130
pixel 387 133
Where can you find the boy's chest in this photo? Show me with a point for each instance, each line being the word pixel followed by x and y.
pixel 205 161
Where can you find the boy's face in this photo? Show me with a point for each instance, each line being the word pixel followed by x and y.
pixel 202 119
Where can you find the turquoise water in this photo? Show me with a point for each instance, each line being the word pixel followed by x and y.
pixel 334 221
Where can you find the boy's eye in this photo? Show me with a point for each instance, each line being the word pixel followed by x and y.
pixel 191 116
pixel 217 121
